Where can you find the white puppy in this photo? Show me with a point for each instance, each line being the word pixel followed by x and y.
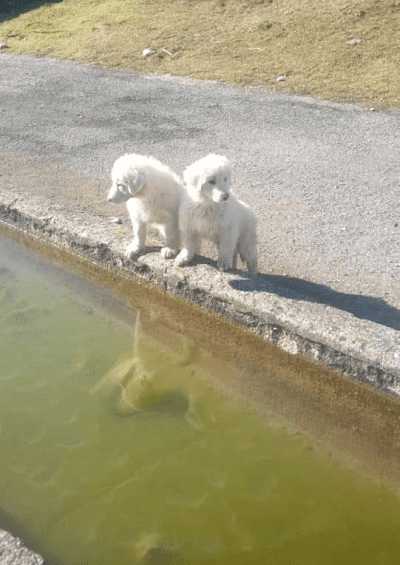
pixel 152 194
pixel 209 210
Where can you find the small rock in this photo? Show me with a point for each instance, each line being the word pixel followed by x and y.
pixel 4 46
pixel 354 42
pixel 282 78
pixel 116 220
pixel 146 52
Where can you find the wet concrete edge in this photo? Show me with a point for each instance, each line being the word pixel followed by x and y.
pixel 364 350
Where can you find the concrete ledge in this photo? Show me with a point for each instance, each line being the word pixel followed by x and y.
pixel 299 323
pixel 13 551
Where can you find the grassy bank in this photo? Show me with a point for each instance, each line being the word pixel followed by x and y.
pixel 239 41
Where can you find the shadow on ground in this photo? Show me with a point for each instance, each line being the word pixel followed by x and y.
pixel 365 307
pixel 13 8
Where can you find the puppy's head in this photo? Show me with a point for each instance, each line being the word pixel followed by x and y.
pixel 211 177
pixel 127 178
pixel 216 189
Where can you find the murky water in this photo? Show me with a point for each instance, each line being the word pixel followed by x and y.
pixel 117 449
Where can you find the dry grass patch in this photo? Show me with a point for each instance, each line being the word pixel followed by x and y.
pixel 239 41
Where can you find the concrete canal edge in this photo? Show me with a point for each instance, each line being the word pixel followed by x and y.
pixel 14 552
pixel 367 351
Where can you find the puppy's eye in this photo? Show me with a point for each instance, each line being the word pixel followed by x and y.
pixel 226 178
pixel 211 181
pixel 120 186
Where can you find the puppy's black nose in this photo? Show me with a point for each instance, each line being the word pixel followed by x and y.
pixel 225 197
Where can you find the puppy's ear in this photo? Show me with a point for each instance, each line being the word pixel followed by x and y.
pixel 192 179
pixel 135 181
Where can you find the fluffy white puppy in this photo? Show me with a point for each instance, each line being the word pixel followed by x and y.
pixel 152 194
pixel 210 210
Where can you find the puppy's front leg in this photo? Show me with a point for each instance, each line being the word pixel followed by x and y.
pixel 172 240
pixel 190 246
pixel 226 252
pixel 139 238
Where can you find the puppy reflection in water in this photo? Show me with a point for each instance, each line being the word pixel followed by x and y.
pixel 151 380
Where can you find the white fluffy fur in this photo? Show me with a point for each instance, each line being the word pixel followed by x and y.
pixel 152 194
pixel 210 210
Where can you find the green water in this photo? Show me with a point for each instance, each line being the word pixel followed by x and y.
pixel 115 450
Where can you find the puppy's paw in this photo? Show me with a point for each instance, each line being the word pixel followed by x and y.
pixel 223 264
pixel 183 258
pixel 132 250
pixel 168 253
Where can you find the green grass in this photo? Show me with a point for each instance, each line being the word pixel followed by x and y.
pixel 238 41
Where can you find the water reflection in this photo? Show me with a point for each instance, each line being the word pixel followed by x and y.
pixel 140 381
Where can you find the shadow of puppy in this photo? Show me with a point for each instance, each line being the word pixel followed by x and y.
pixel 364 307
